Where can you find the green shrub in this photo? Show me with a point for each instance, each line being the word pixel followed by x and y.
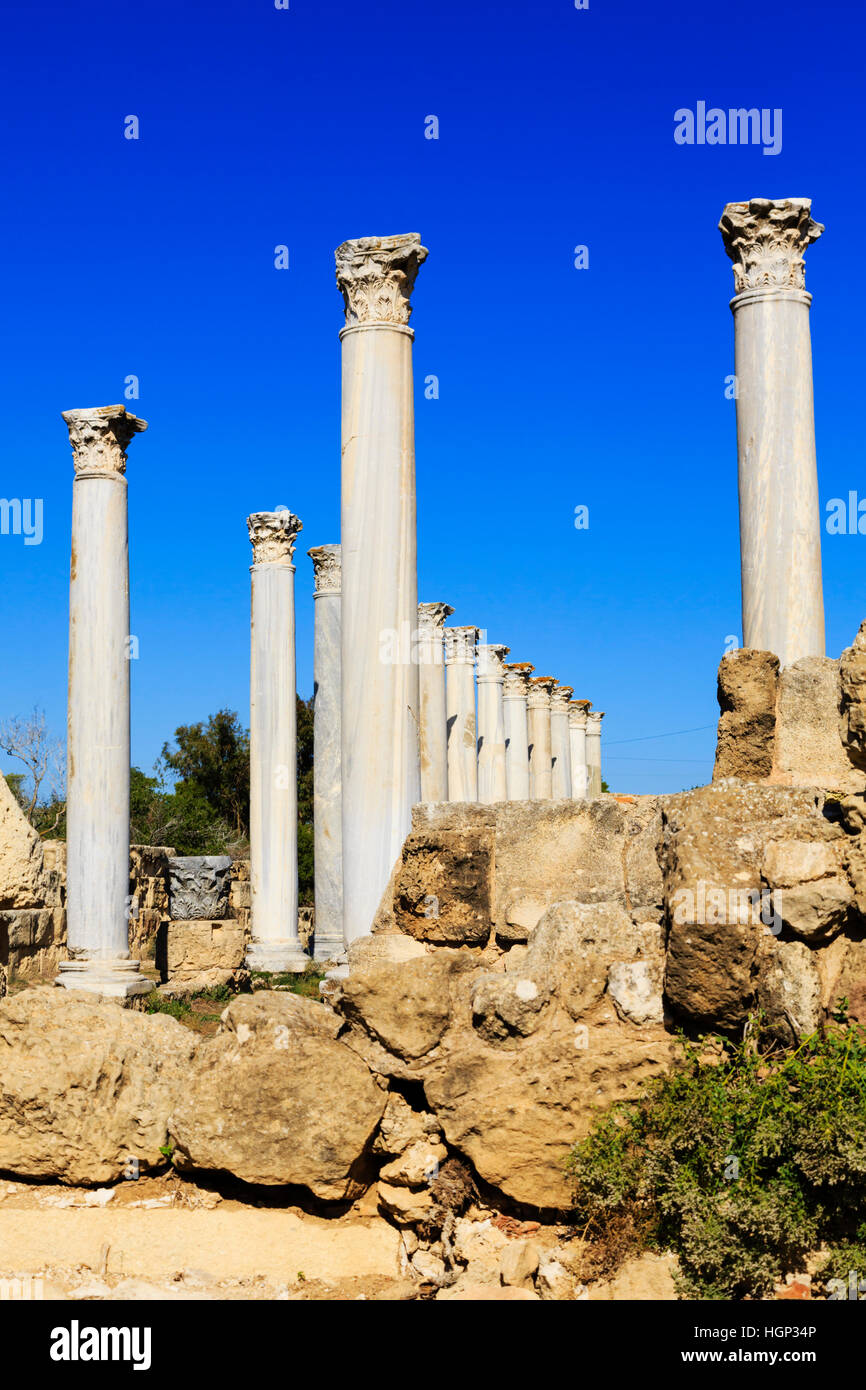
pixel 741 1163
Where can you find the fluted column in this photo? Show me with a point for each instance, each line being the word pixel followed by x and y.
pixel 380 703
pixel 275 945
pixel 460 712
pixel 431 679
pixel 780 525
pixel 514 691
pixel 491 723
pixel 560 743
pixel 97 806
pixel 577 712
pixel 593 751
pixel 327 792
pixel 538 717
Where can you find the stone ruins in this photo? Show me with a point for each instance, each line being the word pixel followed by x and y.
pixel 508 948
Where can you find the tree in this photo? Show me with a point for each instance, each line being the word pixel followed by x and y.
pixel 41 788
pixel 212 764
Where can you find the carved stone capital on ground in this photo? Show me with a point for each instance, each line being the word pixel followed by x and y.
pixel 766 239
pixel 327 569
pixel 100 437
pixel 375 276
pixel 273 536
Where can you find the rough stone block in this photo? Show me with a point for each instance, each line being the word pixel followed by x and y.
pixel 195 946
pixel 747 685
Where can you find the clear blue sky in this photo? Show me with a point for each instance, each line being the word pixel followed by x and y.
pixel 558 387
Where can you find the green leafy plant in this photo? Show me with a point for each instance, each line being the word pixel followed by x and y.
pixel 741 1162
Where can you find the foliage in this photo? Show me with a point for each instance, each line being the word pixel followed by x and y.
pixel 742 1163
pixel 40 788
pixel 305 982
pixel 207 809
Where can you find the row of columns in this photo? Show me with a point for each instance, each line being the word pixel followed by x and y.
pixel 530 740
pixel 390 731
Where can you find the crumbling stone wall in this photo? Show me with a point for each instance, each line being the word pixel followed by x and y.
pixel 799 726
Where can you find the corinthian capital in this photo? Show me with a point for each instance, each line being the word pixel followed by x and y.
pixel 273 535
pixel 460 644
pixel 517 675
pixel 560 697
pixel 766 240
pixel 490 661
pixel 375 275
pixel 540 690
pixel 100 437
pixel 577 712
pixel 593 721
pixel 327 569
pixel 431 617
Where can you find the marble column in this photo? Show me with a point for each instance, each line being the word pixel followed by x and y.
pixel 577 712
pixel 593 751
pixel 492 785
pixel 431 680
pixel 97 806
pixel 327 792
pixel 538 718
pixel 780 523
pixel 560 742
pixel 514 691
pixel 460 712
pixel 275 945
pixel 380 699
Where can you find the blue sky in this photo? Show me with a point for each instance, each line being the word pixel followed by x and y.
pixel 558 387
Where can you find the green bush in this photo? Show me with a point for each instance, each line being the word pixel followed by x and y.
pixel 740 1162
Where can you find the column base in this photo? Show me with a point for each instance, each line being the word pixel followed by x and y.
pixel 328 950
pixel 110 979
pixel 277 957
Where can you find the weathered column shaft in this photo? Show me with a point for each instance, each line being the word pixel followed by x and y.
pixel 780 525
pixel 275 945
pixel 514 692
pixel 560 742
pixel 433 719
pixel 577 712
pixel 460 713
pixel 97 807
pixel 540 756
pixel 593 751
pixel 492 784
pixel 380 701
pixel 327 754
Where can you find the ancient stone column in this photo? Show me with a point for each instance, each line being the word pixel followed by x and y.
pixel 514 691
pixel 577 712
pixel 97 806
pixel 540 756
pixel 492 784
pixel 560 742
pixel 431 679
pixel 327 793
pixel 380 703
pixel 275 945
pixel 780 526
pixel 593 751
pixel 460 712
